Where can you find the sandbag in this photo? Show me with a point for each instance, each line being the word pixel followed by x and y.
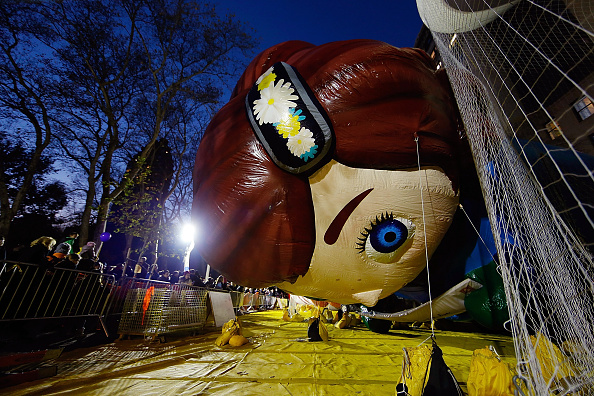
pixel 489 375
pixel 424 373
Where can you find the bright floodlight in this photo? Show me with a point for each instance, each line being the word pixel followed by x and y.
pixel 187 232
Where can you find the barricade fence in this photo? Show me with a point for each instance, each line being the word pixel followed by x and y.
pixel 148 308
pixel 31 291
pixel 153 309
pixel 245 302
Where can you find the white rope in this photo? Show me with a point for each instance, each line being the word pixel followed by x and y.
pixel 425 236
pixel 477 231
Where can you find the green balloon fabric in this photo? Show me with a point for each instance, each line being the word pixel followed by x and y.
pixel 487 305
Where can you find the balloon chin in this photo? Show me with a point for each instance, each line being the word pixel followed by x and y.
pixel 368 298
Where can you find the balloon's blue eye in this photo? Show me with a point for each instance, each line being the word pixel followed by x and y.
pixel 384 237
pixel 388 235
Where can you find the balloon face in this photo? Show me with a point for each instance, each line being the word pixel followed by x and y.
pixel 105 236
pixel 370 230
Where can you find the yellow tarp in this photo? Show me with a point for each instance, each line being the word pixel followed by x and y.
pixel 277 361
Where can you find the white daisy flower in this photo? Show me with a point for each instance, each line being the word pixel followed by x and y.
pixel 301 143
pixel 274 103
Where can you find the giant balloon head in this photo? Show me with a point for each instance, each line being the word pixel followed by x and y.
pixel 330 172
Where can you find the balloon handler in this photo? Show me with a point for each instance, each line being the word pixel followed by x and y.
pixel 336 172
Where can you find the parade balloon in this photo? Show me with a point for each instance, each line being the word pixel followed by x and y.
pixel 105 236
pixel 332 172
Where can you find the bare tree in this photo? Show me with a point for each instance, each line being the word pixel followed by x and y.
pixel 126 71
pixel 25 102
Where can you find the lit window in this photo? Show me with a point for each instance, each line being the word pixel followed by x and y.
pixel 584 108
pixel 554 130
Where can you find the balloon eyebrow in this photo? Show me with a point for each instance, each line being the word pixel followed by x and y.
pixel 333 231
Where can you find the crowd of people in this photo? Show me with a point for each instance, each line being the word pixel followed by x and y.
pixel 47 252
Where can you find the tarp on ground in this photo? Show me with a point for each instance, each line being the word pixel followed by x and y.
pixel 277 361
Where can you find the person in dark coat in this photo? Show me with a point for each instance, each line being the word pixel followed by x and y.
pixel 141 269
pixel 69 262
pixel 38 251
pixel 2 248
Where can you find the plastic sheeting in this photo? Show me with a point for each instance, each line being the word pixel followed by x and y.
pixel 277 361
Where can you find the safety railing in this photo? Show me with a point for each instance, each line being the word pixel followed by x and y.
pixel 245 302
pixel 236 300
pixel 153 309
pixel 31 291
pixel 142 307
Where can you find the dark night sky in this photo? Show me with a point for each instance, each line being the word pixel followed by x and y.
pixel 395 22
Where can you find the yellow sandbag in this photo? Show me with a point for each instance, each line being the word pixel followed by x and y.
pixel 489 375
pixel 328 315
pixel 322 330
pixel 288 318
pixel 231 328
pixel 344 322
pixel 550 357
pixel 238 340
pixel 415 369
pixel 316 329
pixel 234 325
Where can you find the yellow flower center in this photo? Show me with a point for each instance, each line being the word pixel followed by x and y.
pixel 299 141
pixel 270 101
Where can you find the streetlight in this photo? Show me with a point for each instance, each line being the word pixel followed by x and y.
pixel 187 235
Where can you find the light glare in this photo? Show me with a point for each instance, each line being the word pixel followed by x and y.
pixel 187 232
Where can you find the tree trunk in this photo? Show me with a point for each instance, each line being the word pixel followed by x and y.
pixel 85 221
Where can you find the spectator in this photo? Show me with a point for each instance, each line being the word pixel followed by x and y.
pixel 16 252
pixel 154 272
pixel 67 245
pixel 39 251
pixel 186 280
pixel 97 266
pixel 164 277
pixel 174 277
pixel 128 269
pixel 141 269
pixel 55 258
pixel 69 262
pixel 2 248
pixel 117 271
pixel 88 257
pixel 193 276
pixel 220 282
pixel 199 282
pixel 210 283
pixel 88 251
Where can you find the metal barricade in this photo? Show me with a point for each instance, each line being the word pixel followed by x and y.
pixel 143 307
pixel 30 291
pixel 159 308
pixel 236 299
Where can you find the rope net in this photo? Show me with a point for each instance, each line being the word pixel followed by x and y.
pixel 523 76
